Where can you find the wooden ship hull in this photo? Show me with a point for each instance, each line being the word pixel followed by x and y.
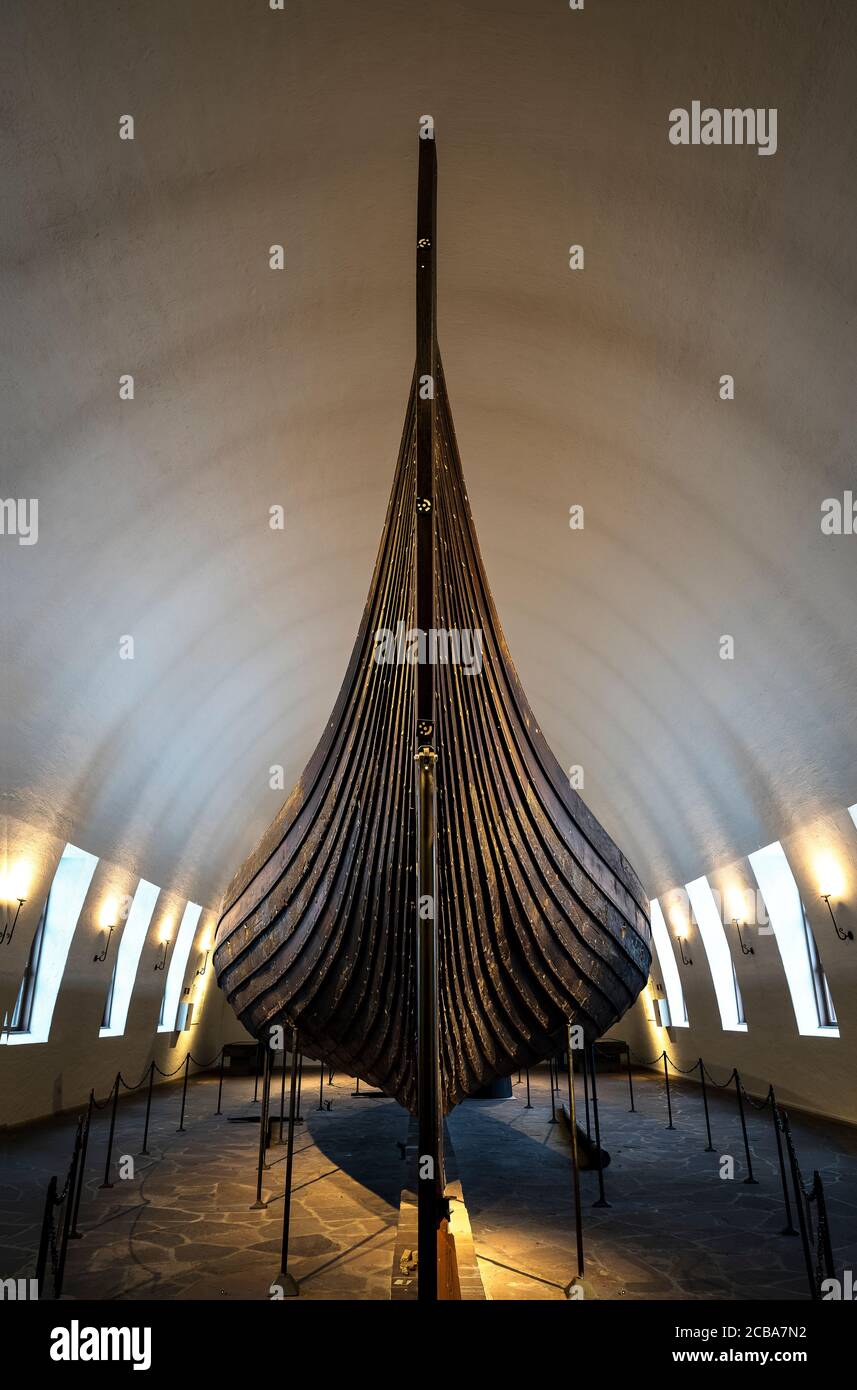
pixel 538 918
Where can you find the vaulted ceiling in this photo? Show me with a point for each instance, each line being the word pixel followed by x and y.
pixel 256 388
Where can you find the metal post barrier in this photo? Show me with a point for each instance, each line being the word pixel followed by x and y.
pixel 709 1148
pixel 667 1084
pixel 585 1070
pixel 107 1182
pixel 788 1229
pixel 288 1284
pixel 356 1090
pixel 578 1212
pixel 602 1200
pixel 218 1111
pixel 299 1119
pixel 630 1081
pixel 145 1149
pixel 800 1197
pixel 321 1084
pixel 184 1093
pixel 282 1095
pixel 263 1130
pixel 749 1179
pixel 553 1119
pixel 528 1105
pixel 823 1227
pixel 75 1234
pixel 68 1212
pixel 256 1083
pixel 44 1238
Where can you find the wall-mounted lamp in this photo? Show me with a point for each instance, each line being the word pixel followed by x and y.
pixel 161 965
pixel 681 933
pixel 102 955
pixel 745 950
pixel 843 935
pixel 7 928
pixel 203 967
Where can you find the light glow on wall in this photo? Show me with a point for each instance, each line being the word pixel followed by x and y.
pixel 668 967
pixel 15 881
pixel 718 955
pixel 785 910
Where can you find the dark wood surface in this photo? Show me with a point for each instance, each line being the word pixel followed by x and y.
pixel 540 917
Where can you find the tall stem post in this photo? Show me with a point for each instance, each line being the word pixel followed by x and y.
pixel 430 1155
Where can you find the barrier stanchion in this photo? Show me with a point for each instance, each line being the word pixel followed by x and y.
pixel 799 1194
pixel 750 1179
pixel 145 1148
pixel 107 1182
pixel 788 1229
pixel 709 1148
pixel 45 1237
pixel 602 1200
pixel 184 1093
pixel 70 1188
pixel 75 1234
pixel 578 1210
pixel 630 1080
pixel 528 1105
pixel 282 1095
pixel 585 1070
pixel 667 1085
pixel 287 1282
pixel 321 1084
pixel 299 1119
pixel 263 1129
pixel 553 1119
pixel 256 1083
pixel 218 1111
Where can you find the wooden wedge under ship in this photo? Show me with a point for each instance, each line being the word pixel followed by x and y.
pixel 433 903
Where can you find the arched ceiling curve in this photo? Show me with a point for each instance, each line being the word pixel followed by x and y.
pixel 597 387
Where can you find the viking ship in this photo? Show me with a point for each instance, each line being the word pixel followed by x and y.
pixel 434 902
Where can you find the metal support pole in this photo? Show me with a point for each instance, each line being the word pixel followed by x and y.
pixel 749 1179
pixel 429 1157
pixel 667 1084
pixel 75 1234
pixel 814 1291
pixel 263 1129
pixel 602 1200
pixel 321 1085
pixel 44 1238
pixel 283 1094
pixel 586 1094
pixel 107 1182
pixel 630 1081
pixel 528 1105
pixel 578 1212
pixel 144 1149
pixel 709 1148
pixel 788 1229
pixel 256 1082
pixel 288 1284
pixel 299 1119
pixel 184 1093
pixel 218 1111
pixel 68 1212
pixel 553 1119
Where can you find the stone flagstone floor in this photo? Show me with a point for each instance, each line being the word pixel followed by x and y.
pixel 183 1226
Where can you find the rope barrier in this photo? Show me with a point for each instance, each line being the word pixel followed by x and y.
pixel 813 1222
